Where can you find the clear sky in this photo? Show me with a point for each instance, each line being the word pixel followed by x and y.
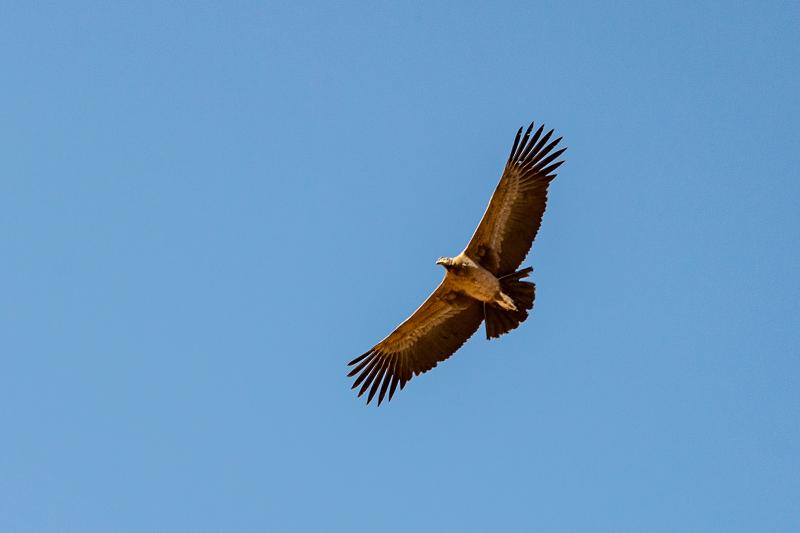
pixel 207 209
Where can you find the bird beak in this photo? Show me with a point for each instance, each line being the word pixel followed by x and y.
pixel 442 261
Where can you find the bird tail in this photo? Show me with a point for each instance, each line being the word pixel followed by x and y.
pixel 500 321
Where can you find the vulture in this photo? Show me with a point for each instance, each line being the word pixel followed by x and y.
pixel 481 284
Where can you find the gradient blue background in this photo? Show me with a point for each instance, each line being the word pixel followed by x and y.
pixel 207 209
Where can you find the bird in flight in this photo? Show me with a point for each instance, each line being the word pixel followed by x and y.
pixel 481 284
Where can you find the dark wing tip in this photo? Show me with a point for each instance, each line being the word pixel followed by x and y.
pixel 378 379
pixel 362 361
pixel 395 380
pixel 524 143
pixel 359 358
pixel 376 373
pixel 526 147
pixel 390 372
pixel 546 161
pixel 515 145
pixel 368 369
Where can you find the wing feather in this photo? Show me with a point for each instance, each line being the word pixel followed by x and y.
pixel 439 327
pixel 514 214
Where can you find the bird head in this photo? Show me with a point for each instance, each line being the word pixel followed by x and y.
pixel 446 262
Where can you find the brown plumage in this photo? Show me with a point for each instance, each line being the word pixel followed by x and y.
pixel 481 283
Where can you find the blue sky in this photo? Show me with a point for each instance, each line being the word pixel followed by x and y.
pixel 207 209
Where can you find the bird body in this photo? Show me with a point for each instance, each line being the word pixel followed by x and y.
pixel 468 277
pixel 481 284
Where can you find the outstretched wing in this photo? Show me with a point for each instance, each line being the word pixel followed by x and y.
pixel 512 219
pixel 433 333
